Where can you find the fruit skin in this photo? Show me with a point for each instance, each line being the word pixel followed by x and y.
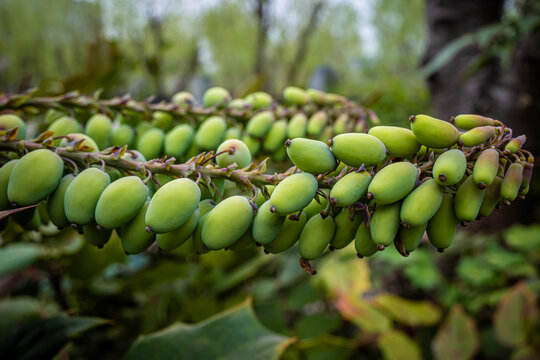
pixel 178 140
pixel 486 167
pixel 245 241
pixel 34 177
pixel 477 135
pixel 64 125
pixel 183 99
pixel 468 200
pixel 5 172
pixel 258 100
pixel 384 224
pixel 512 182
pixel 293 193
pixel 399 141
pixel 421 204
pixel 433 133
pixel 94 236
pixel 172 205
pixel 393 182
pixel 350 188
pixel 288 235
pixel 363 243
pixel 297 126
pixel 470 121
pixel 449 168
pixel 232 133
pixel 122 135
pixel 171 240
pixel 442 226
pixel 311 156
pixel 134 237
pixel 210 133
pixel 55 204
pixel 492 197
pixel 10 121
pixel 295 96
pixel 411 237
pixel 83 193
pixel 227 222
pixel 355 149
pixel 319 97
pixel 99 128
pixel 316 123
pixel 515 144
pixel 259 124
pixel 150 144
pixel 120 202
pixel 528 168
pixel 266 224
pixel 216 96
pixel 346 225
pixel 162 120
pixel 316 236
pixel 240 154
pixel 341 124
pixel 276 136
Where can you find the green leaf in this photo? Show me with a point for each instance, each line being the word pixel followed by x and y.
pixel 17 256
pixel 422 272
pixel 457 337
pixel 21 308
pixel 516 315
pixel 396 345
pixel 232 334
pixel 523 238
pixel 363 314
pixel 477 273
pixel 412 313
pixel 43 338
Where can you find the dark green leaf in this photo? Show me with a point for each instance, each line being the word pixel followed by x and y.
pixel 234 334
pixel 396 345
pixel 17 256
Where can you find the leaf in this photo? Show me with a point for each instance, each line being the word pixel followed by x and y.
pixel 230 335
pixel 363 314
pixel 396 345
pixel 412 313
pixel 17 256
pixel 457 337
pixel 523 238
pixel 477 273
pixel 44 338
pixel 20 308
pixel 516 315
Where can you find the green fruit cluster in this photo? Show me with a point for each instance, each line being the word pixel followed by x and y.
pixel 386 186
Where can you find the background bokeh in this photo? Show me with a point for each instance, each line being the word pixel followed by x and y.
pixel 479 299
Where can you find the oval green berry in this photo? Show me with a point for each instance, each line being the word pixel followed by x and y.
pixel 266 224
pixel 486 167
pixel 288 235
pixel 477 135
pixel 512 182
pixel 227 222
pixel 441 228
pixel 134 237
pixel 515 144
pixel 421 204
pixel 55 204
pixel 259 100
pixel 293 193
pixel 399 141
pixel 172 205
pixel 350 188
pixel 259 125
pixel 234 151
pixel 83 193
pixel 150 144
pixel 120 202
pixel 88 144
pixel 121 135
pixel 311 156
pixel 10 121
pixel 471 121
pixel 5 172
pixel 346 225
pixel 492 197
pixel 449 168
pixel 178 140
pixel 393 182
pixel 384 224
pixel 276 136
pixel 171 240
pixel 434 133
pixel 210 133
pixel 363 243
pixel 316 205
pixel 411 237
pixel 34 177
pixel 468 200
pixel 99 128
pixel 356 149
pixel 216 96
pixel 183 99
pixel 316 236
pixel 95 236
pixel 297 126
pixel 295 96
pixel 316 123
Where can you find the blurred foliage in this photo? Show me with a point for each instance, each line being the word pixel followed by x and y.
pixel 363 50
